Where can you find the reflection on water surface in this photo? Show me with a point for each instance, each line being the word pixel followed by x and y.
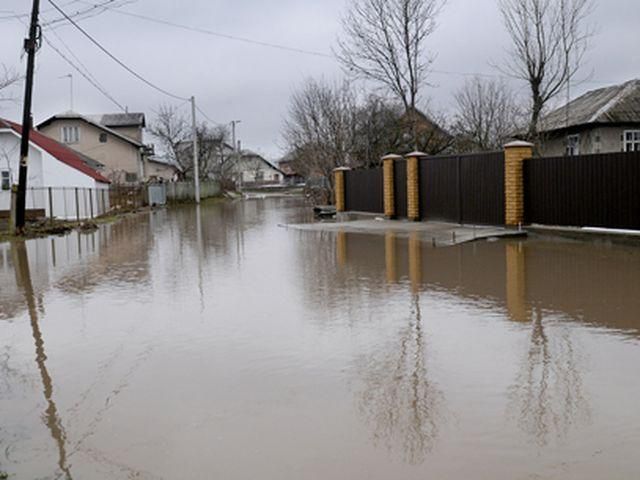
pixel 211 343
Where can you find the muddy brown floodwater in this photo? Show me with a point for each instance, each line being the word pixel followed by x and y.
pixel 214 344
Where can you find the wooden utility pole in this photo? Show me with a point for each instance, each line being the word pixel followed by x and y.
pixel 30 46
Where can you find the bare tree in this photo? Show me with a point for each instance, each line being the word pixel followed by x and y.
pixel 487 115
pixel 550 39
pixel 8 78
pixel 173 131
pixel 320 128
pixel 384 41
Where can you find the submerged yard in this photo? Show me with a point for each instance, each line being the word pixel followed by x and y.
pixel 211 343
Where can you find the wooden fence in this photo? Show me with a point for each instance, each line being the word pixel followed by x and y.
pixel 600 190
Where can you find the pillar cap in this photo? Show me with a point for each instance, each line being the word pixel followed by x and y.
pixel 392 156
pixel 341 169
pixel 415 155
pixel 519 144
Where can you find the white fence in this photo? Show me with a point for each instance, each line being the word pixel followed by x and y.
pixel 67 203
pixel 186 191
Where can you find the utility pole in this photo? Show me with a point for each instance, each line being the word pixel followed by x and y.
pixel 30 46
pixel 233 134
pixel 235 149
pixel 196 166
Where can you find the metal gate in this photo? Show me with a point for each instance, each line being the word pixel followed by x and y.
pixel 157 194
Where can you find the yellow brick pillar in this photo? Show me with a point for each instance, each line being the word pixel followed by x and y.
pixel 388 185
pixel 516 288
pixel 340 189
pixel 515 153
pixel 413 185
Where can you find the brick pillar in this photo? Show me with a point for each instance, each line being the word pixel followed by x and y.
pixel 339 188
pixel 514 155
pixel 413 185
pixel 389 191
pixel 516 288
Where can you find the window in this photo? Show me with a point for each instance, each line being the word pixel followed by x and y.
pixel 130 177
pixel 259 176
pixel 103 138
pixel 573 145
pixel 276 177
pixel 6 180
pixel 631 141
pixel 70 134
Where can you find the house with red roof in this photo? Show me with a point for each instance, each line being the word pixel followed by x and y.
pixel 61 183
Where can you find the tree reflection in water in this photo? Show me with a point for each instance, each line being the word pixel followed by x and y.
pixel 548 396
pixel 400 400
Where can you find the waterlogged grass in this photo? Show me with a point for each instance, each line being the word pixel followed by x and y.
pixel 46 228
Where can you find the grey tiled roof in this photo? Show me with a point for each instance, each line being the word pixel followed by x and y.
pixel 617 104
pixel 114 120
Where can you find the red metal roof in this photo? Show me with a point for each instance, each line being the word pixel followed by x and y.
pixel 57 150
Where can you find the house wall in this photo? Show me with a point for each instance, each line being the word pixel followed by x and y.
pixel 9 161
pixel 599 139
pixel 248 172
pixel 134 133
pixel 158 170
pixel 118 156
pixel 46 171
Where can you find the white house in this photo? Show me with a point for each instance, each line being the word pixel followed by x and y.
pixel 253 170
pixel 60 183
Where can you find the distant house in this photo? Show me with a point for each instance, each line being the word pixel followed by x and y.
pixel 600 121
pixel 162 169
pixel 432 138
pixel 54 165
pixel 251 169
pixel 114 140
pixel 288 167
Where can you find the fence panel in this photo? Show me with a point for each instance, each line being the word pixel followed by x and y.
pixel 482 188
pixel 466 189
pixel 439 187
pixel 400 187
pixel 364 190
pixel 601 190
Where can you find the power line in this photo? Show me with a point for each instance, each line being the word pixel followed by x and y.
pixel 18 16
pixel 94 10
pixel 207 117
pixel 221 35
pixel 113 57
pixel 86 77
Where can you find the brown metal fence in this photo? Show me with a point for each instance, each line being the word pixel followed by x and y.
pixel 466 189
pixel 600 190
pixel 364 190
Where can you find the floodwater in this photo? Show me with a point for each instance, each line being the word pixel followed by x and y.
pixel 214 344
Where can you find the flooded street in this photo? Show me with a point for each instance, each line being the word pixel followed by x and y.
pixel 212 343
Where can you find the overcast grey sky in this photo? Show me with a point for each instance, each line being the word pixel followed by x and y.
pixel 233 80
